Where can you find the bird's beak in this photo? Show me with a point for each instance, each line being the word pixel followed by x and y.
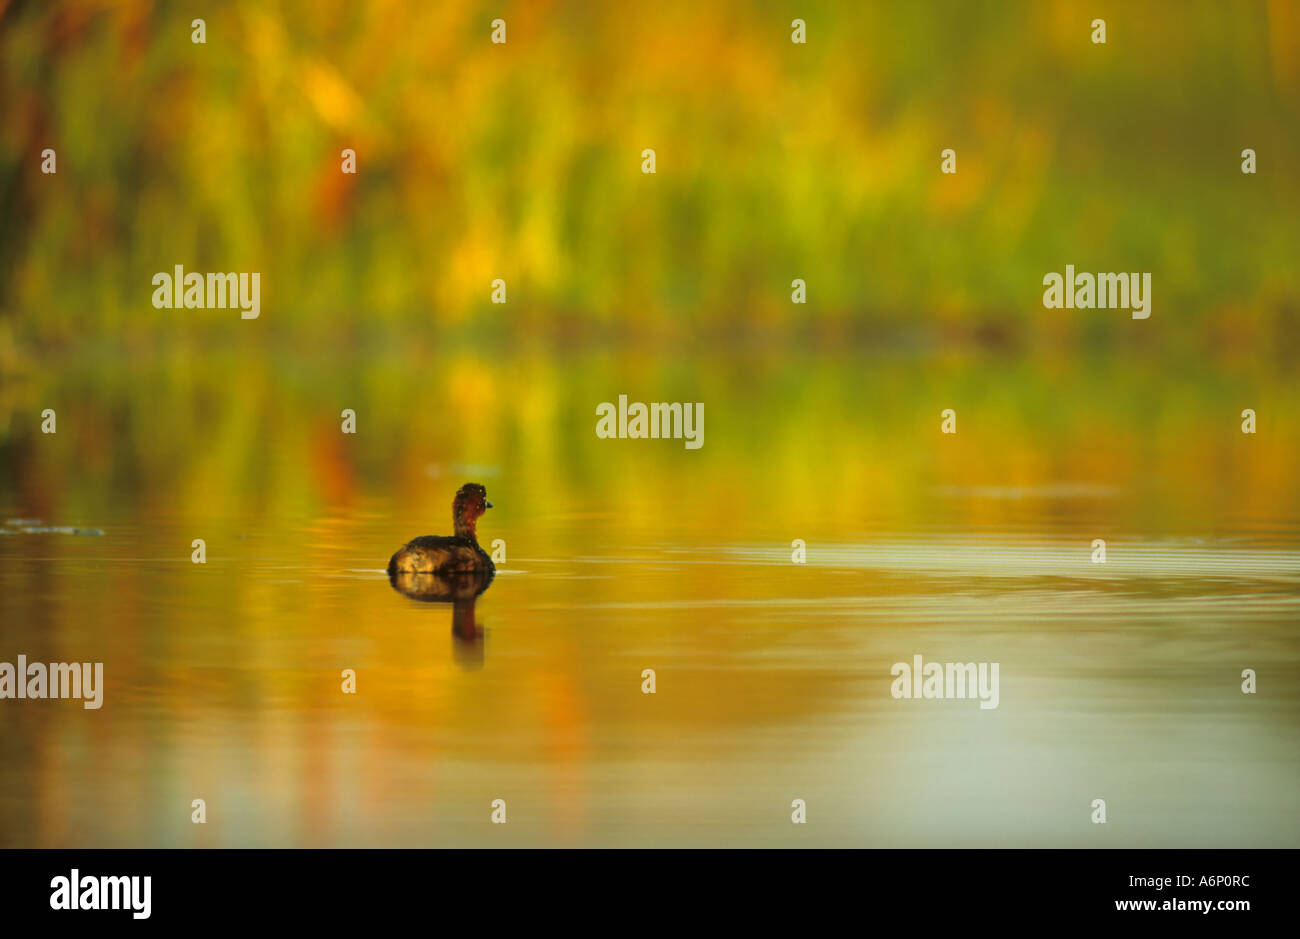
pixel 487 503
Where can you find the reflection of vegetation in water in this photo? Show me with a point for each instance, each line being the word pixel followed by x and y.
pixel 791 439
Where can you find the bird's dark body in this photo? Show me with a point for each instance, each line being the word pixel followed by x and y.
pixel 447 554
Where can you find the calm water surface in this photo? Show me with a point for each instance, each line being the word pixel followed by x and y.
pixel 222 682
pixel 1118 681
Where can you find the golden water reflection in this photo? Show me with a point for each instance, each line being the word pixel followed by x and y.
pixel 223 680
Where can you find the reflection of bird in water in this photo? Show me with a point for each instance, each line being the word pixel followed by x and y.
pixel 461 590
pixel 457 553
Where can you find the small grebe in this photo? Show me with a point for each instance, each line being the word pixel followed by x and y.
pixel 459 553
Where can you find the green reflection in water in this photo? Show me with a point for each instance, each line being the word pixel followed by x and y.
pixel 1119 681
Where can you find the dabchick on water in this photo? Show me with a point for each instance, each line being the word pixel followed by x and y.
pixel 459 553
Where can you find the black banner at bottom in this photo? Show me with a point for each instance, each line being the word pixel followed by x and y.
pixel 145 888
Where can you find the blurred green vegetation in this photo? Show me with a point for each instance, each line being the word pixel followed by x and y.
pixel 775 161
